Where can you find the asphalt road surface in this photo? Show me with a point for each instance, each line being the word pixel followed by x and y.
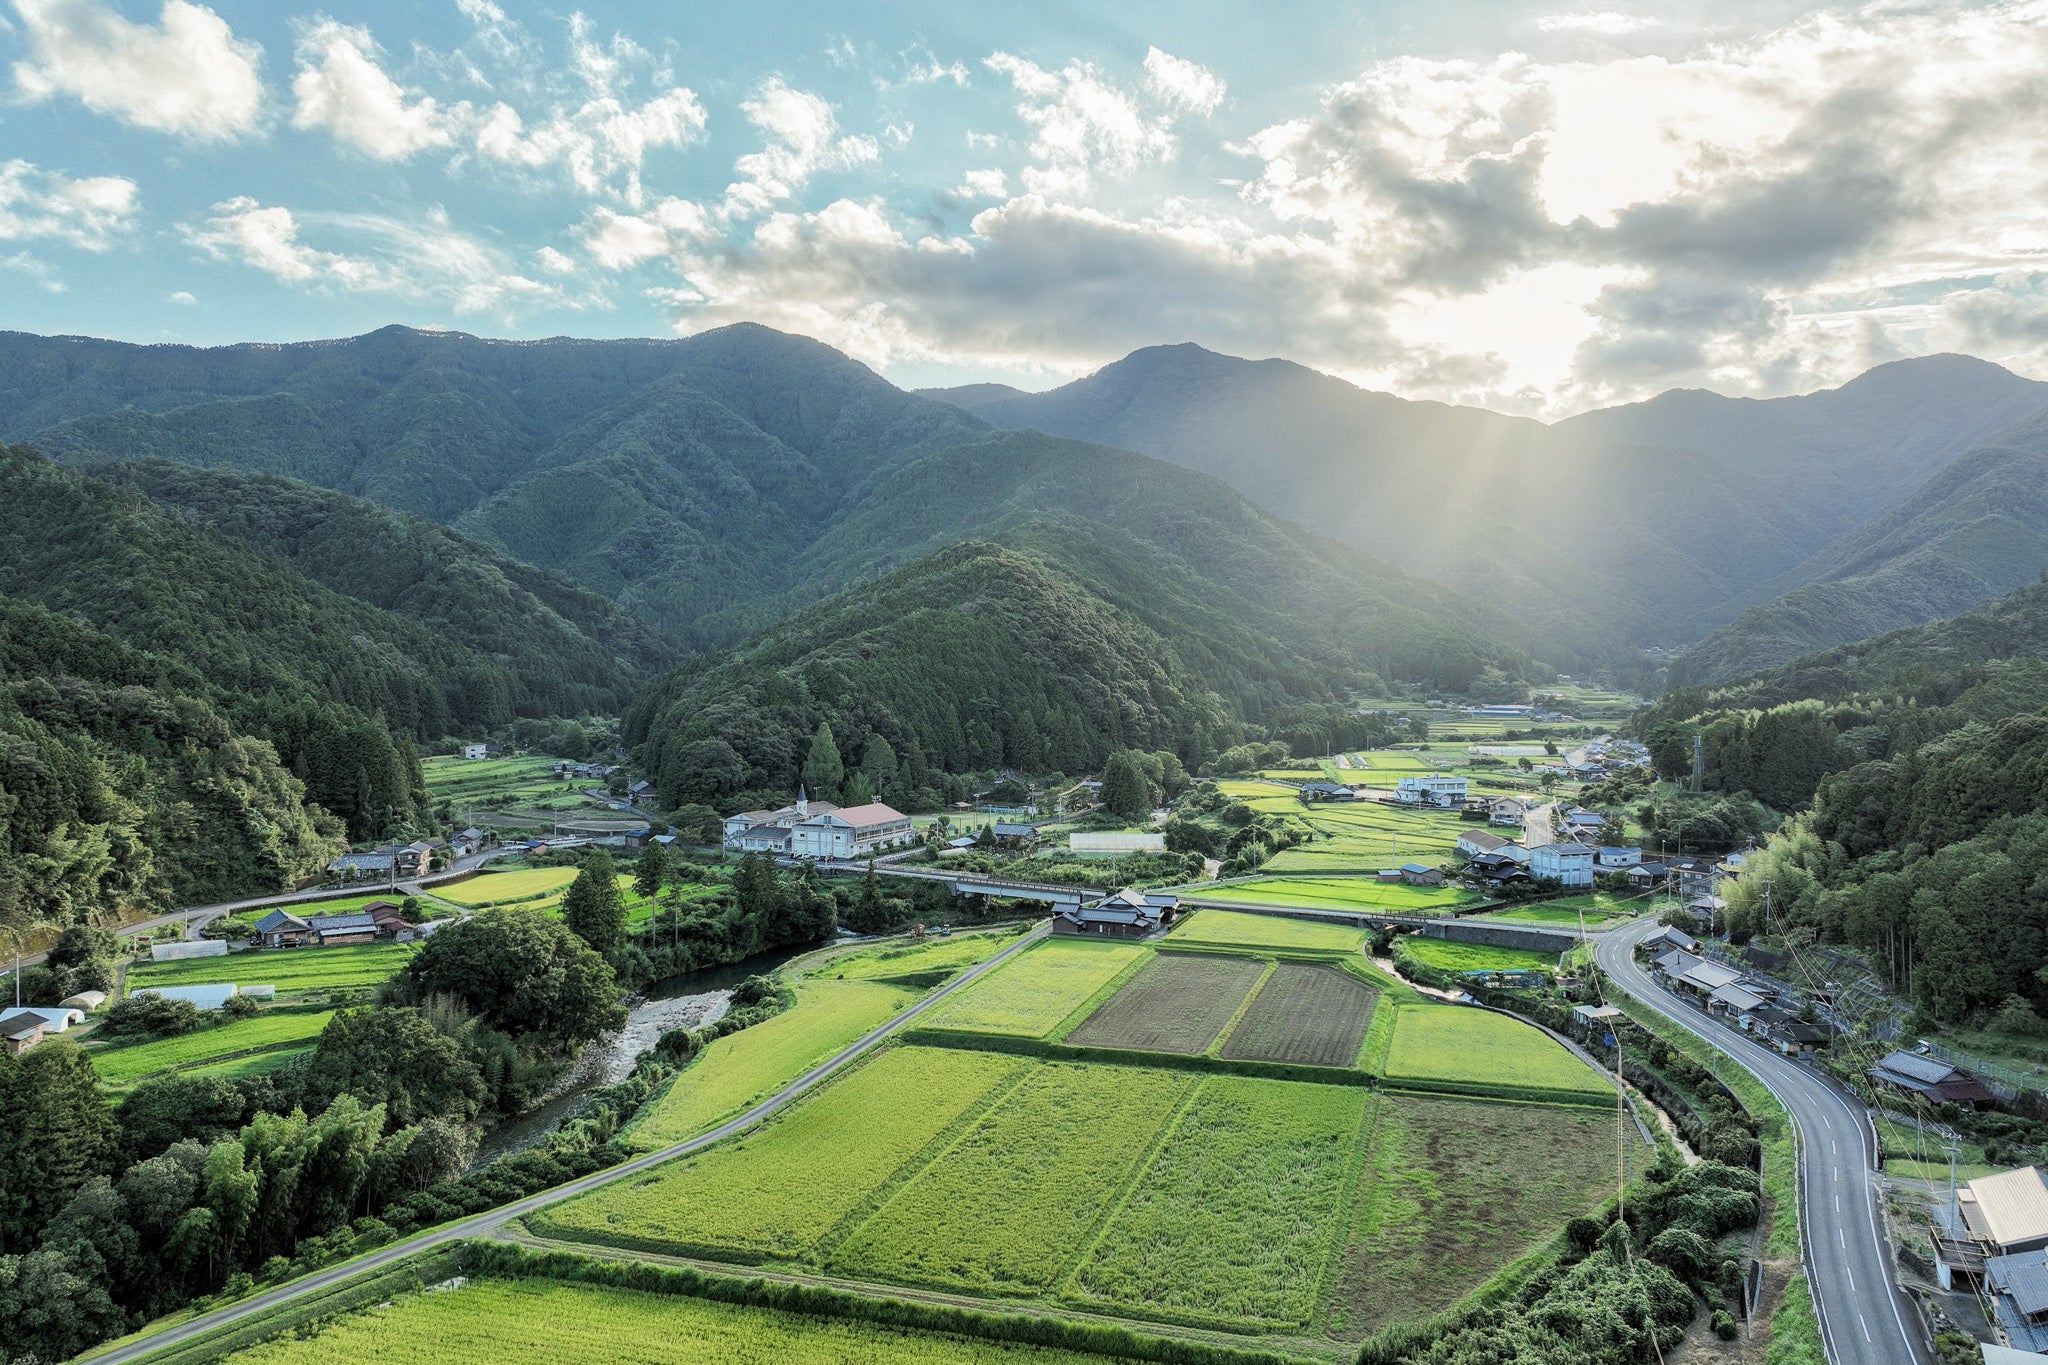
pixel 491 1220
pixel 1865 1319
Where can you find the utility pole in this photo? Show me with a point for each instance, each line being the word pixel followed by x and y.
pixel 1767 905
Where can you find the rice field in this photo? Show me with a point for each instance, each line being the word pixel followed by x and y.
pixel 776 1192
pixel 503 783
pixel 903 957
pixel 1032 994
pixel 128 1063
pixel 1351 837
pixel 503 888
pixel 1305 1013
pixel 1453 1043
pixel 1006 1208
pixel 740 1069
pixel 1449 955
pixel 1267 931
pixel 1179 1002
pixel 1455 1191
pixel 1598 910
pixel 1339 893
pixel 292 970
pixel 1232 1219
pixel 508 1322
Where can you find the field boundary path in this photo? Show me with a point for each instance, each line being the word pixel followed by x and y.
pixel 491 1220
pixel 1847 1259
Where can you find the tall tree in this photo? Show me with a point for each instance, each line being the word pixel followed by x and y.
pixel 521 971
pixel 594 909
pixel 878 761
pixel 824 770
pixel 1126 791
pixel 650 874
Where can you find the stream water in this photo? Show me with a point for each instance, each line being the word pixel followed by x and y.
pixel 688 1001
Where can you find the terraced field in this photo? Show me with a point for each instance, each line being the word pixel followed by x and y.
pixel 1232 1220
pixel 1359 836
pixel 1455 1044
pixel 1033 993
pixel 1598 910
pixel 1179 1002
pixel 1449 955
pixel 1338 893
pixel 775 1193
pixel 292 970
pixel 505 888
pixel 1006 1208
pixel 1306 1013
pixel 130 1062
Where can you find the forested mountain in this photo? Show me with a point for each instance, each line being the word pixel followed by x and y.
pixel 1976 529
pixel 571 651
pixel 340 686
pixel 1921 761
pixel 712 486
pixel 977 657
pixel 1647 524
pixel 123 784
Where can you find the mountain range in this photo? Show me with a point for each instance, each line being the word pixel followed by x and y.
pixel 1649 525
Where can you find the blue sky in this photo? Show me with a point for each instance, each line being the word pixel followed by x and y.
pixel 1532 207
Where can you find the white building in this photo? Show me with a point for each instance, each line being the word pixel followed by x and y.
pixel 1433 790
pixel 849 832
pixel 767 831
pixel 1565 863
pixel 475 750
pixel 1474 842
pixel 1618 859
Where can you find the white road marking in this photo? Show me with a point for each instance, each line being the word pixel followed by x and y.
pixel 1843 1238
pixel 1866 1327
pixel 1852 1277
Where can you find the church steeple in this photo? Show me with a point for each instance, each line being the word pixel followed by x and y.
pixel 803 803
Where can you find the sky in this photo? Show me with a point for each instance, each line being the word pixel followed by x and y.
pixel 1520 206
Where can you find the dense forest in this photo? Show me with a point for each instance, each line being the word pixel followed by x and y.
pixel 124 784
pixel 1919 764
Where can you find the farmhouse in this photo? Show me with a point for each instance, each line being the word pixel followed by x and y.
pixel 1015 836
pixel 474 751
pixel 1612 859
pixel 1474 842
pixel 1563 863
pixel 1498 868
pixel 1675 938
pixel 283 929
pixel 361 866
pixel 1421 874
pixel 849 831
pixel 1646 876
pixel 1129 913
pixel 333 930
pixel 1934 1081
pixel 1327 791
pixel 1445 793
pixel 1507 810
pixel 1578 820
pixel 1997 1237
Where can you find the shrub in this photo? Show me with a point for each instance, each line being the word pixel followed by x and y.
pixel 151 1013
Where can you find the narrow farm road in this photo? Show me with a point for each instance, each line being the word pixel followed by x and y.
pixel 1864 1317
pixel 493 1219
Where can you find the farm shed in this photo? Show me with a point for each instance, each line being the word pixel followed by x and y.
pixel 282 929
pixel 52 1018
pixel 84 1000
pixel 332 930
pixel 204 998
pixel 1421 874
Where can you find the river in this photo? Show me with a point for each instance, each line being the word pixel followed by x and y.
pixel 688 1001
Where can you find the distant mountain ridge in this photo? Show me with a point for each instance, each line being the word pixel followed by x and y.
pixel 1647 524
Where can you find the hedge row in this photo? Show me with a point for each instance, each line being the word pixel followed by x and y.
pixel 504 1259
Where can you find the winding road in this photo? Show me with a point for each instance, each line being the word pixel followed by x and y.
pixel 491 1220
pixel 1864 1317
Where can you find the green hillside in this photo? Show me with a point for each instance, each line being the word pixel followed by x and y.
pixel 1977 529
pixel 123 783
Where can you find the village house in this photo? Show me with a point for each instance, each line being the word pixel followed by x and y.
pixel 331 931
pixel 283 929
pixel 1435 789
pixel 1507 811
pixel 1567 864
pixel 474 751
pixel 1578 821
pixel 1474 842
pixel 1995 1238
pixel 1129 913
pixel 1497 868
pixel 1015 837
pixel 21 1034
pixel 362 866
pixel 1646 876
pixel 1327 791
pixel 48 1018
pixel 1935 1081
pixel 1420 874
pixel 1609 858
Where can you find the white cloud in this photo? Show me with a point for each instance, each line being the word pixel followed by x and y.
pixel 37 269
pixel 1082 125
pixel 183 298
pixel 341 88
pixel 86 213
pixel 984 185
pixel 1175 81
pixel 555 262
pixel 602 143
pixel 412 258
pixel 187 74
pixel 803 138
pixel 1602 23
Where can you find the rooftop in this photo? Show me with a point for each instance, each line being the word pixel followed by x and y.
pixel 2014 1206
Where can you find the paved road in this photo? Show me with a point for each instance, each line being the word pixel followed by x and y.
pixel 494 1219
pixel 1864 1317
